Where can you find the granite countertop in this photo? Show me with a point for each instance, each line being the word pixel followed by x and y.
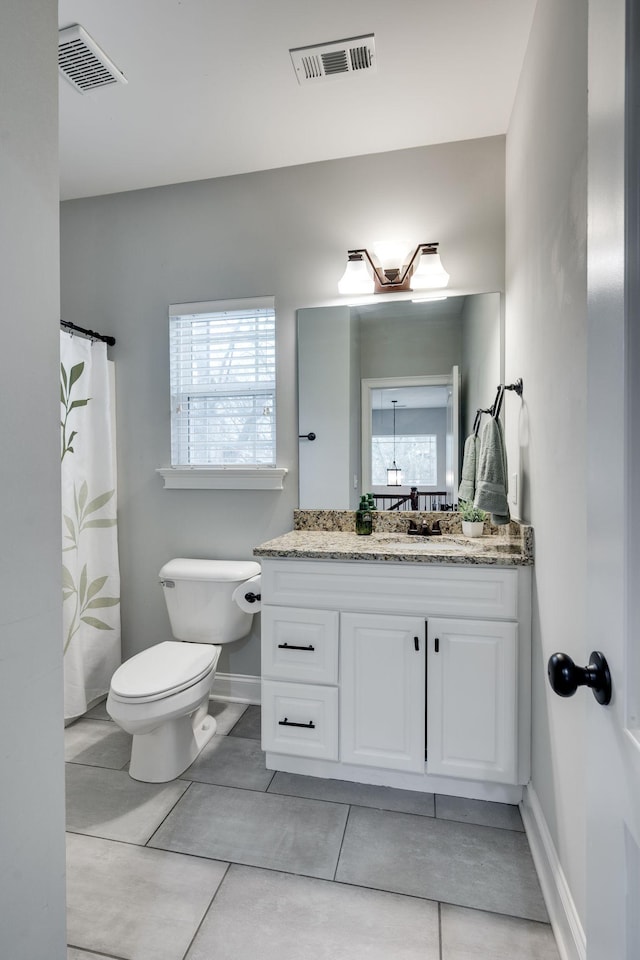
pixel 505 547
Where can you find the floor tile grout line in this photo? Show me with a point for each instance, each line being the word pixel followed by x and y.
pixel 348 803
pixel 169 812
pixel 448 903
pixel 96 953
pixel 206 912
pixel 335 872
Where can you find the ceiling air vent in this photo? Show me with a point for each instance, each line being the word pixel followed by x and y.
pixel 83 63
pixel 324 61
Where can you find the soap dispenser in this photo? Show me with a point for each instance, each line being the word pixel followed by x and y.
pixel 364 518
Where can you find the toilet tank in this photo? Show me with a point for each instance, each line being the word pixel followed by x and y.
pixel 198 594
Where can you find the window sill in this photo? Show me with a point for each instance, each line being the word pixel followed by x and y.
pixel 223 478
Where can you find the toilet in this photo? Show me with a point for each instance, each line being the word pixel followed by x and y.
pixel 161 695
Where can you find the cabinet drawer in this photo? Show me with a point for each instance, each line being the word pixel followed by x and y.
pixel 300 719
pixel 300 644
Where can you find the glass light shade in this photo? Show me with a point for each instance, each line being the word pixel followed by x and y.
pixel 392 254
pixel 430 274
pixel 394 476
pixel 356 278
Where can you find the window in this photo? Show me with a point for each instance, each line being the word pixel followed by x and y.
pixel 417 456
pixel 222 371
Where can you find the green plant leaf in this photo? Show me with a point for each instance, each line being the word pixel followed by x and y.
pixel 79 403
pixel 98 624
pixel 74 433
pixel 82 496
pixel 67 579
pixel 63 399
pixel 96 586
pixel 70 526
pixel 99 523
pixel 76 373
pixel 103 602
pixel 63 373
pixel 99 501
pixel 66 594
pixel 83 584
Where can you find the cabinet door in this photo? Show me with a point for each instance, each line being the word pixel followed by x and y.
pixel 382 681
pixel 472 683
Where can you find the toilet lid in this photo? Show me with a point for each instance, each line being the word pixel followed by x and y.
pixel 164 669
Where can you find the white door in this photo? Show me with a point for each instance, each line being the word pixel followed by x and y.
pixel 472 710
pixel 382 689
pixel 325 408
pixel 613 469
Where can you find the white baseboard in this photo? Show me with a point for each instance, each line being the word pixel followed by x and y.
pixel 236 688
pixel 565 921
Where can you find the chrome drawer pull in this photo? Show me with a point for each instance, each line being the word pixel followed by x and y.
pixel 289 723
pixel 291 646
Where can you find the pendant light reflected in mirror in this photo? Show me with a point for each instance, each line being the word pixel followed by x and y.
pixel 394 473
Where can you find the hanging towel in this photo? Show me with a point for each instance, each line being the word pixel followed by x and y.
pixel 467 488
pixel 491 474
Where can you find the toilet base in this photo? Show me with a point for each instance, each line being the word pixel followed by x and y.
pixel 167 751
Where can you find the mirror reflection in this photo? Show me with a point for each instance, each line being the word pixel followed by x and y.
pixel 408 440
pixel 438 359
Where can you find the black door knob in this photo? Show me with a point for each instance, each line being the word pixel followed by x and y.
pixel 565 677
pixel 306 436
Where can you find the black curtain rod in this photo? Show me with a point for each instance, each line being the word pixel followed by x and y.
pixel 110 341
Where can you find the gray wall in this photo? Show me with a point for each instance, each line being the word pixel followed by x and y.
pixel 32 920
pixel 282 232
pixel 482 355
pixel 429 346
pixel 546 345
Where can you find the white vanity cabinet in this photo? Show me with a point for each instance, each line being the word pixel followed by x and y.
pixel 368 665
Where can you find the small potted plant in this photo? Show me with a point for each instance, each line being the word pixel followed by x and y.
pixel 472 519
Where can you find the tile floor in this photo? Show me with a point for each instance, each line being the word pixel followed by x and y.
pixel 234 862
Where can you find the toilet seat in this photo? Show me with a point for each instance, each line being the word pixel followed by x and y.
pixel 163 670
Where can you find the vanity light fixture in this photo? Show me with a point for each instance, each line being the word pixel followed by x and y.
pixel 394 473
pixel 393 268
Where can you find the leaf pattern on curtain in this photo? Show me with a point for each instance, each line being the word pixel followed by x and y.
pixel 88 513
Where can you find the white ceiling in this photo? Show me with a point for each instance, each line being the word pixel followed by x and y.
pixel 211 89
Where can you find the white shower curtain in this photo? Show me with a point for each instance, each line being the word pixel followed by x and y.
pixel 90 572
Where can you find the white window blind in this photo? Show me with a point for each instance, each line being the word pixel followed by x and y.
pixel 223 377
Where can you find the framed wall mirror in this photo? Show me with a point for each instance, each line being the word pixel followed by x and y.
pixel 343 351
